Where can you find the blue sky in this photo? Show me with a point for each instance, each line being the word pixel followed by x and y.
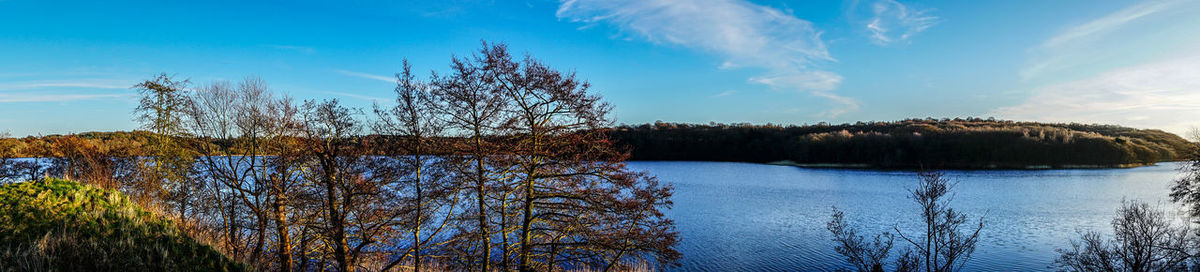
pixel 66 66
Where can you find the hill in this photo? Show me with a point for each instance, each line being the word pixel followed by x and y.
pixel 58 225
pixel 913 143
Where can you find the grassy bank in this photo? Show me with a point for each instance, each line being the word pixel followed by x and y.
pixel 59 225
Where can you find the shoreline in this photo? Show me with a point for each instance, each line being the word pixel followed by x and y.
pixel 978 167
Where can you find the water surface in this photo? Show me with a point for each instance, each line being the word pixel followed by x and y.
pixel 754 217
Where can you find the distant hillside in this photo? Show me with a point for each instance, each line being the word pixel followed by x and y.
pixel 57 225
pixel 913 143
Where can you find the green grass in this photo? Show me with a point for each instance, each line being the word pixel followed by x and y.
pixel 59 225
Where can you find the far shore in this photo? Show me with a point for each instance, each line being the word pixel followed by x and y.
pixel 975 167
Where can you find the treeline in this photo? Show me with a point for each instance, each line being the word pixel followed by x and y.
pixel 912 143
pixel 529 181
pixel 934 143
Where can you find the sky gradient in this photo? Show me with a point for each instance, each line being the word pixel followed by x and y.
pixel 67 66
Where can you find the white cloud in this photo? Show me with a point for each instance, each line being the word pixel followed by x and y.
pixel 742 33
pixel 1163 95
pixel 815 80
pixel 1109 22
pixel 80 83
pixel 33 97
pixel 1136 67
pixel 725 93
pixel 850 104
pixel 1083 45
pixel 893 22
pixel 367 76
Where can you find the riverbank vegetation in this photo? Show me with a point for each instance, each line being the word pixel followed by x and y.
pixel 912 143
pixel 57 225
pixel 528 182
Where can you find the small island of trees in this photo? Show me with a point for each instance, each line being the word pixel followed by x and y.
pixel 912 143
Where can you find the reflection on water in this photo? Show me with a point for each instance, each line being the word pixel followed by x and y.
pixel 753 217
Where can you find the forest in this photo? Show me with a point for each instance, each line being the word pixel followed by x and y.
pixel 912 143
pixel 528 181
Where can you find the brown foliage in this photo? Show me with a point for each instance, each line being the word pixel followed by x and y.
pixel 499 165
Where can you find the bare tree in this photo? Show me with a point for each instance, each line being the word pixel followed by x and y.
pixel 355 202
pixel 285 187
pixel 332 131
pixel 1186 190
pixel 285 176
pixel 946 244
pixel 1144 240
pixel 572 189
pixel 474 110
pixel 250 165
pixel 34 167
pixel 412 127
pixel 108 165
pixel 863 255
pixel 212 115
pixel 945 247
pixel 8 151
pixel 169 169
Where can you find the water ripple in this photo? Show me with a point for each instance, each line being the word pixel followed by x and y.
pixel 752 217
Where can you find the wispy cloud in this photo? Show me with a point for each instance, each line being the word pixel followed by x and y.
pixel 363 97
pixel 1114 69
pixel 35 97
pixel 1088 42
pixel 388 79
pixel 744 34
pixel 295 48
pixel 724 94
pixel 1109 22
pixel 892 22
pixel 1163 94
pixel 78 83
pixel 17 74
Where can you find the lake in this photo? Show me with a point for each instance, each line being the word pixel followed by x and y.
pixel 756 217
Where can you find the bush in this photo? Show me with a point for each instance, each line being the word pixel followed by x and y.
pixel 59 225
pixel 946 245
pixel 1144 239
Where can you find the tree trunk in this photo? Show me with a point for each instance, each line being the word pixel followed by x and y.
pixel 484 235
pixel 526 224
pixel 284 240
pixel 504 212
pixel 335 221
pixel 417 230
pixel 261 238
pixel 303 248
